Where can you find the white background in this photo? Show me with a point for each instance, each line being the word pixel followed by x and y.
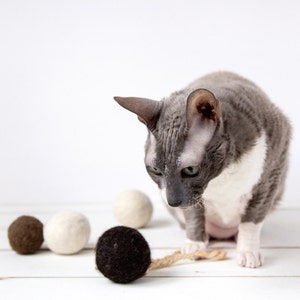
pixel 64 139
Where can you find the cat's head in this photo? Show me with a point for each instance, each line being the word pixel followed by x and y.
pixel 185 148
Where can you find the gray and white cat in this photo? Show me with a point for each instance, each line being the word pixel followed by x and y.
pixel 218 151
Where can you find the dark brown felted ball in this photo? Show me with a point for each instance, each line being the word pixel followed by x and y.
pixel 25 235
pixel 122 254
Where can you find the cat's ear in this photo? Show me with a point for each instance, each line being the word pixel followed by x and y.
pixel 147 110
pixel 202 105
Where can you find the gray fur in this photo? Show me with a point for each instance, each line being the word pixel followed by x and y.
pixel 245 113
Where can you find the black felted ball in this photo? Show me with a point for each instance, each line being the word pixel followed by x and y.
pixel 25 235
pixel 122 254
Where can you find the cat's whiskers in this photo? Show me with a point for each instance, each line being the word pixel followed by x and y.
pixel 197 202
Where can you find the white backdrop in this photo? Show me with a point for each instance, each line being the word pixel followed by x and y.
pixel 63 138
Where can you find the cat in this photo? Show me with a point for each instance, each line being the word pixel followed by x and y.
pixel 218 151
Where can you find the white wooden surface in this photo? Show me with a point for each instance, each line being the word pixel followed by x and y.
pixel 46 275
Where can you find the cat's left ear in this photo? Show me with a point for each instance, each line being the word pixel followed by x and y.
pixel 147 110
pixel 202 106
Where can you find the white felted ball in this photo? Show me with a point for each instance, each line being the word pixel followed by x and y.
pixel 133 208
pixel 67 232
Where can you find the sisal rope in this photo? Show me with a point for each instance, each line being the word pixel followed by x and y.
pixel 177 256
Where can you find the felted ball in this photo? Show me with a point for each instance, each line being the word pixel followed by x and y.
pixel 25 235
pixel 122 254
pixel 132 208
pixel 67 232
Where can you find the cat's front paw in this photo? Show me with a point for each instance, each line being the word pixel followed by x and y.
pixel 192 246
pixel 249 259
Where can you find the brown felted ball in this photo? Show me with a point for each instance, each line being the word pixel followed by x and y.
pixel 25 235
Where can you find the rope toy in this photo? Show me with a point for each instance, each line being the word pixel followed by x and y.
pixel 123 255
pixel 169 260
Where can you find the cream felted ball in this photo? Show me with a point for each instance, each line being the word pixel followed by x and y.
pixel 67 232
pixel 132 208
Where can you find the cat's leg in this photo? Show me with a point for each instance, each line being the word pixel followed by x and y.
pixel 248 240
pixel 197 239
pixel 248 244
pixel 263 200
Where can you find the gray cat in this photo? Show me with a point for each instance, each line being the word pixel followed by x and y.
pixel 218 151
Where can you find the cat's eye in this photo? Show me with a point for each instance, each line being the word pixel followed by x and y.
pixel 155 170
pixel 190 171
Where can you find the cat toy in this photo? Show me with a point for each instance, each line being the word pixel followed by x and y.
pixel 66 232
pixel 123 255
pixel 133 208
pixel 25 235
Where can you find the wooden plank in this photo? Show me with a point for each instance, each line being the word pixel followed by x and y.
pixel 151 288
pixel 278 262
pixel 282 228
pixel 53 276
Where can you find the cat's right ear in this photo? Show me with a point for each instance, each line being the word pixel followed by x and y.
pixel 202 106
pixel 147 110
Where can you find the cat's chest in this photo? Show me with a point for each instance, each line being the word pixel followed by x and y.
pixel 227 195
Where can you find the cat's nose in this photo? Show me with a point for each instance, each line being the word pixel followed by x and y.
pixel 174 192
pixel 174 202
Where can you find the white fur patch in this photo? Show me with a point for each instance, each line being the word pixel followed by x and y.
pixel 227 195
pixel 194 148
pixel 151 153
pixel 163 193
pixel 193 246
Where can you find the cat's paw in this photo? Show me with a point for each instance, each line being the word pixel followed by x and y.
pixel 249 259
pixel 192 246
